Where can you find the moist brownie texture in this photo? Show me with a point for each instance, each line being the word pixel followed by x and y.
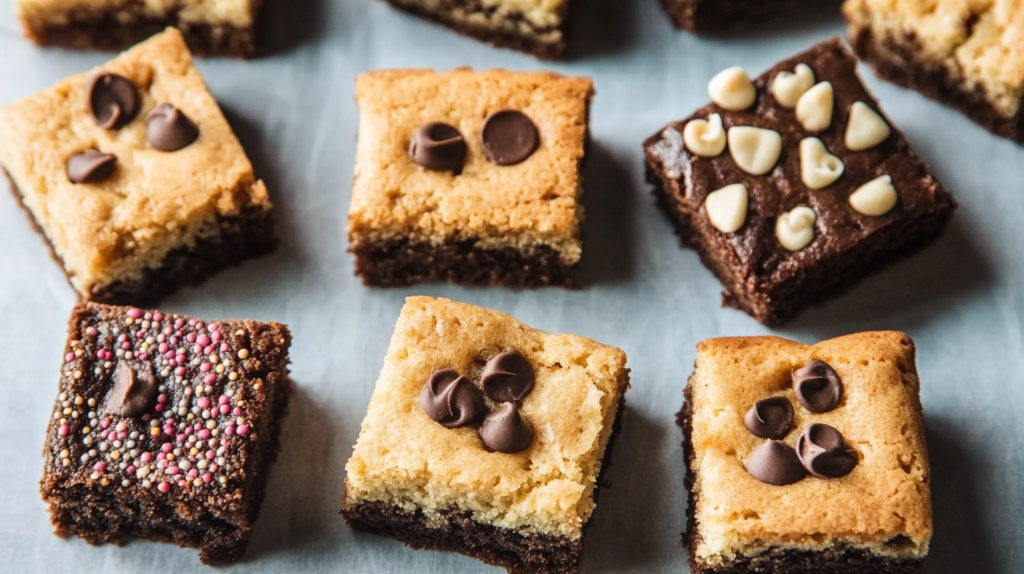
pixel 854 152
pixel 875 519
pixel 211 27
pixel 164 428
pixel 478 221
pixel 720 15
pixel 160 219
pixel 966 54
pixel 429 486
pixel 537 27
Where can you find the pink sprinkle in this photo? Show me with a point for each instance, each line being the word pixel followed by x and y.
pixel 182 437
pixel 203 402
pixel 229 430
pixel 147 316
pixel 166 447
pixel 170 421
pixel 203 340
pixel 63 430
pixel 224 399
pixel 146 417
pixel 204 434
pixel 69 357
pixel 243 429
pixel 141 334
pixel 105 423
pixel 162 463
pixel 191 337
pixel 172 470
pixel 179 324
pixel 224 347
pixel 210 379
pixel 197 349
pixel 146 457
pixel 237 412
pixel 121 426
pixel 188 391
pixel 144 356
pixel 122 435
pixel 215 336
pixel 159 407
pixel 213 468
pixel 182 482
pixel 169 431
pixel 91 331
pixel 163 347
pixel 199 324
pixel 180 371
pixel 225 409
pixel 161 455
pixel 126 345
pixel 214 327
pixel 134 313
pixel 207 477
pixel 122 337
pixel 209 350
pixel 161 399
pixel 180 351
pixel 189 431
pixel 205 367
pixel 100 466
pixel 158 316
pixel 174 340
pixel 193 473
pixel 130 469
pixel 163 487
pixel 104 434
pixel 210 454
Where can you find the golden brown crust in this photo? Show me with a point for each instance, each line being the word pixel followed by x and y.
pixel 886 496
pixel 240 13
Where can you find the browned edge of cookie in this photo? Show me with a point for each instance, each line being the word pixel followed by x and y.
pixel 247 235
pixel 899 61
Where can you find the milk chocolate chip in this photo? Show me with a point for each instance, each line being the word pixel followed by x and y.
pixel 132 393
pixel 776 463
pixel 824 453
pixel 168 129
pixel 438 146
pixel 90 166
pixel 770 418
pixel 509 137
pixel 817 386
pixel 113 100
pixel 507 377
pixel 452 400
pixel 505 430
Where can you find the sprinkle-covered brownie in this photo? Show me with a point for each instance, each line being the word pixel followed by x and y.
pixel 164 428
pixel 963 53
pixel 537 27
pixel 793 186
pixel 485 437
pixel 718 15
pixel 806 458
pixel 134 177
pixel 211 27
pixel 471 177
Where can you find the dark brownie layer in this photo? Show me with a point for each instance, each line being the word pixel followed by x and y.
pixel 899 61
pixel 714 16
pixel 247 235
pixel 112 504
pixel 760 276
pixel 837 559
pixel 401 262
pixel 510 35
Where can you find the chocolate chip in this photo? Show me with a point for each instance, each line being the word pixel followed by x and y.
pixel 507 377
pixel 505 430
pixel 770 418
pixel 168 129
pixel 113 100
pixel 776 463
pixel 824 453
pixel 509 137
pixel 90 166
pixel 452 400
pixel 132 393
pixel 439 147
pixel 817 386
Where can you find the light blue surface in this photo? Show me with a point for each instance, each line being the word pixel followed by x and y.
pixel 962 299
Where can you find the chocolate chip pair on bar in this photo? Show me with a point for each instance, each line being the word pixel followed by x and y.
pixel 505 472
pixel 164 428
pixel 806 458
pixel 134 177
pixel 793 186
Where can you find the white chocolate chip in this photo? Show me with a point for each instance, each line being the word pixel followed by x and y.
pixel 787 87
pixel 795 229
pixel 755 150
pixel 814 108
pixel 818 168
pixel 732 89
pixel 705 138
pixel 865 129
pixel 727 207
pixel 876 197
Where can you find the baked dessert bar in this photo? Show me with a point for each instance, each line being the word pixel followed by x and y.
pixel 537 27
pixel 164 428
pixel 485 437
pixel 806 458
pixel 793 186
pixel 471 177
pixel 965 54
pixel 134 177
pixel 211 27
pixel 714 16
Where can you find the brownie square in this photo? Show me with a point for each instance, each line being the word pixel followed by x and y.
pixel 809 185
pixel 715 16
pixel 507 475
pixel 164 428
pixel 806 458
pixel 964 54
pixel 211 27
pixel 470 177
pixel 537 27
pixel 134 177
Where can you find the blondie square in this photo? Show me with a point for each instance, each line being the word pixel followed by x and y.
pixel 471 177
pixel 794 186
pixel 164 428
pixel 963 53
pixel 134 176
pixel 537 27
pixel 806 458
pixel 507 474
pixel 211 27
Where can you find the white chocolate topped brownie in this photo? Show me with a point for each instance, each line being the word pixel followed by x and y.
pixel 806 454
pixel 134 176
pixel 518 469
pixel 468 176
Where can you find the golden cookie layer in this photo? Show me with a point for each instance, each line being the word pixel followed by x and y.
pixel 234 12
